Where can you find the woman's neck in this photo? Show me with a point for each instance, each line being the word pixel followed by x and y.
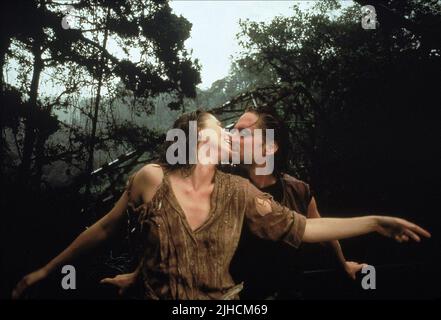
pixel 260 181
pixel 202 175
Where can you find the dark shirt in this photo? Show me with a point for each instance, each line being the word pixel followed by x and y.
pixel 276 190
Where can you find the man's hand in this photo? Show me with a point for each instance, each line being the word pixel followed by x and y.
pixel 122 281
pixel 352 268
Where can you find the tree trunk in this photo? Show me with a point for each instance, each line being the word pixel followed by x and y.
pixel 92 140
pixel 39 151
pixel 30 121
pixel 4 45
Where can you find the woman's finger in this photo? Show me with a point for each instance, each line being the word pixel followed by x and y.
pixel 419 230
pixel 108 281
pixel 412 235
pixel 415 228
pixel 21 286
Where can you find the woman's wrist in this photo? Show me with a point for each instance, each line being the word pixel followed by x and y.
pixel 49 268
pixel 374 223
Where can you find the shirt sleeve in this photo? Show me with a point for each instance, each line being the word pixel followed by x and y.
pixel 308 195
pixel 135 204
pixel 270 220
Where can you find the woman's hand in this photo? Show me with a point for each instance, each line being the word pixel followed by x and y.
pixel 122 281
pixel 400 229
pixel 28 281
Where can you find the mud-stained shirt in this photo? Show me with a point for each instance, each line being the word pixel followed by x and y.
pixel 180 263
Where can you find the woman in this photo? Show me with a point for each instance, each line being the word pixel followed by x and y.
pixel 191 218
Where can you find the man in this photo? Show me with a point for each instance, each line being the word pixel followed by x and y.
pixel 272 270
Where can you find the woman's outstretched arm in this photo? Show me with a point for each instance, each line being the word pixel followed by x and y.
pixel 88 239
pixel 326 229
pixel 268 219
pixel 142 186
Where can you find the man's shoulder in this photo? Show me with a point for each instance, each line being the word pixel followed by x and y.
pixel 293 181
pixel 298 191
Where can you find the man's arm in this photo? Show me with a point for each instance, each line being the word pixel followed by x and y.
pixel 124 281
pixel 350 267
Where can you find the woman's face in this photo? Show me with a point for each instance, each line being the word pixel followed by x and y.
pixel 214 137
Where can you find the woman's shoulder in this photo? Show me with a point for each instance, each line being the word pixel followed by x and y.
pixel 149 176
pixel 152 173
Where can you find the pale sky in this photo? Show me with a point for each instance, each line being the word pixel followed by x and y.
pixel 215 25
pixel 213 34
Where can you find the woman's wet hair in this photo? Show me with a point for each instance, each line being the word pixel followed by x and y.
pixel 183 123
pixel 269 119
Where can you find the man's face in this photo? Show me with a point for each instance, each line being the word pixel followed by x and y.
pixel 247 121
